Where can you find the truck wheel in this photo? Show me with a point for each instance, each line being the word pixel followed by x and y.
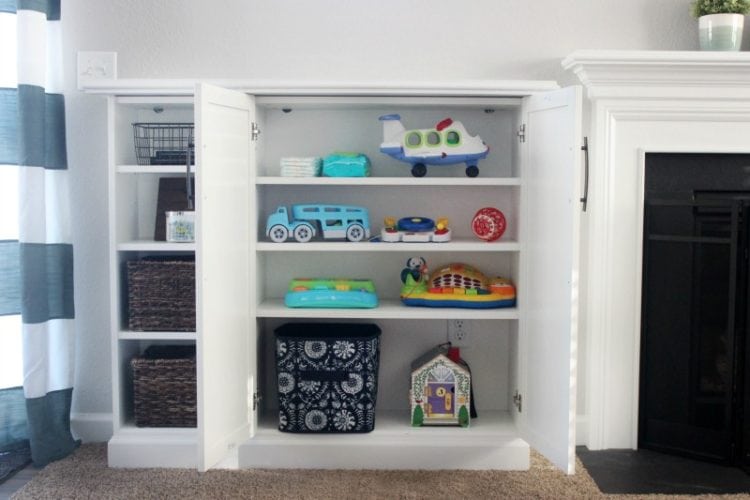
pixel 472 171
pixel 278 233
pixel 418 170
pixel 355 232
pixel 303 233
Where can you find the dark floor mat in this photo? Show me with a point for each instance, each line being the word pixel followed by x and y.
pixel 14 460
pixel 648 472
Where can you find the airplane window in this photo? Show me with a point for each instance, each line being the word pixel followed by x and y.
pixel 414 139
pixel 452 138
pixel 433 138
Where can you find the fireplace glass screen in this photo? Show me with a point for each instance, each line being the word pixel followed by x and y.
pixel 694 308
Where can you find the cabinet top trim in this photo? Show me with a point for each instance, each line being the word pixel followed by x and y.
pixel 662 74
pixel 480 88
pixel 657 57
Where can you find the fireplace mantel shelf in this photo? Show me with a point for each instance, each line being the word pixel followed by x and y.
pixel 662 74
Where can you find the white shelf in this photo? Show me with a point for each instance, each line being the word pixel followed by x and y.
pixel 491 442
pixel 274 87
pixel 129 429
pixel 456 245
pixel 152 169
pixel 388 181
pixel 275 308
pixel 154 246
pixel 131 335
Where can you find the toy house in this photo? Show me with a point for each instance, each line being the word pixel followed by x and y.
pixel 440 391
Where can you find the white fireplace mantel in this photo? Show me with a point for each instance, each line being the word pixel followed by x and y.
pixel 641 102
pixel 661 74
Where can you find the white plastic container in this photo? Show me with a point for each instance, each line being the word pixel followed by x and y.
pixel 180 227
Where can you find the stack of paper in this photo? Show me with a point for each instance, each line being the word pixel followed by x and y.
pixel 300 167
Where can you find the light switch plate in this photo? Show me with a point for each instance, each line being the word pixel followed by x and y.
pixel 96 66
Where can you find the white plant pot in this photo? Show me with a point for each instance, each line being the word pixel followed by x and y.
pixel 721 31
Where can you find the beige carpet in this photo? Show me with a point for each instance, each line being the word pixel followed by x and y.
pixel 85 475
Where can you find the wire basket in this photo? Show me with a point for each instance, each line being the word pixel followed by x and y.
pixel 163 143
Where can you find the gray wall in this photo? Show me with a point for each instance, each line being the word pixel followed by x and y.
pixel 305 39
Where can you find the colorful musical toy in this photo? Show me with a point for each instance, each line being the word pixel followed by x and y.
pixel 331 293
pixel 415 230
pixel 447 144
pixel 454 285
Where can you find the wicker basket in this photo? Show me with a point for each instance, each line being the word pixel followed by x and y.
pixel 164 390
pixel 161 294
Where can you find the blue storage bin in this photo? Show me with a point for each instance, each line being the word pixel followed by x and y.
pixel 327 376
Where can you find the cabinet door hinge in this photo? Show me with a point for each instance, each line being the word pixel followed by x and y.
pixel 518 400
pixel 256 399
pixel 521 133
pixel 254 131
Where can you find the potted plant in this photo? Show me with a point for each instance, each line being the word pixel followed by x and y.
pixel 720 23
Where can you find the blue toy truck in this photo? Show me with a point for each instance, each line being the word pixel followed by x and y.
pixel 332 221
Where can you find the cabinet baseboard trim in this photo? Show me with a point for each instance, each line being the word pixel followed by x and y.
pixel 582 430
pixel 91 427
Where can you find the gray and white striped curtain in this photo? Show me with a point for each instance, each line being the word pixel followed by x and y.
pixel 40 286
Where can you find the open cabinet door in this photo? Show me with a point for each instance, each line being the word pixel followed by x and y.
pixel 551 209
pixel 226 343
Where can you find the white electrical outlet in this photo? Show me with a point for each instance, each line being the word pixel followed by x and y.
pixel 96 66
pixel 459 332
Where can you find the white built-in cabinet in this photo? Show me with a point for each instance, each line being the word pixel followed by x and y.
pixel 523 359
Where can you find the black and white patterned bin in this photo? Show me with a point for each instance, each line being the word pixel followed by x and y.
pixel 327 376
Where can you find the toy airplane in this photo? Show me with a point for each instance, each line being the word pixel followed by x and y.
pixel 446 144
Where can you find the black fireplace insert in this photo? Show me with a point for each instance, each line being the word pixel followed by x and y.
pixel 694 376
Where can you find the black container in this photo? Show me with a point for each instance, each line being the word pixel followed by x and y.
pixel 327 376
